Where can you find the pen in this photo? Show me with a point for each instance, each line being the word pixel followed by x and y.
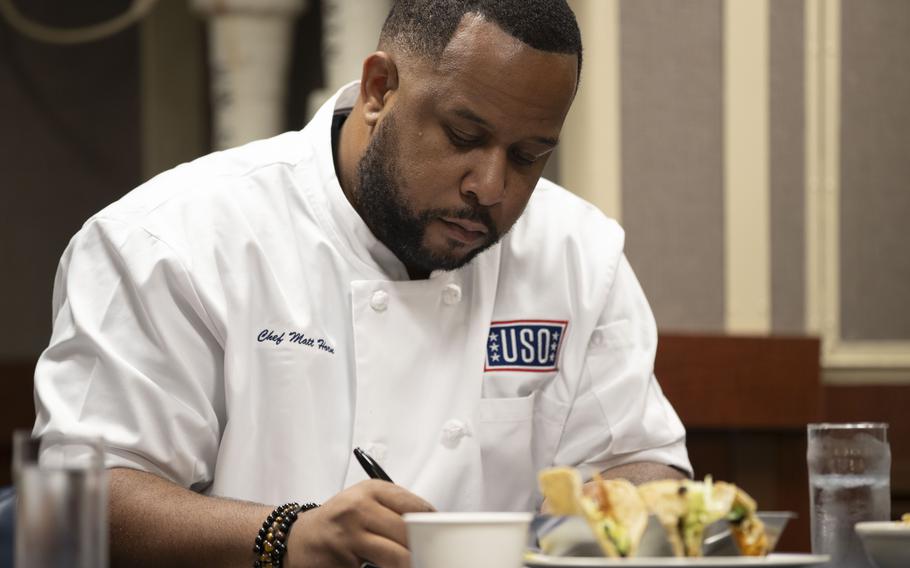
pixel 370 466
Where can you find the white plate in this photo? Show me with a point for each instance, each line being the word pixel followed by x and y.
pixel 778 560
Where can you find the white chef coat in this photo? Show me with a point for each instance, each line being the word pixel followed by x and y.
pixel 232 325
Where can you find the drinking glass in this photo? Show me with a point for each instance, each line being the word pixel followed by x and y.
pixel 849 482
pixel 61 502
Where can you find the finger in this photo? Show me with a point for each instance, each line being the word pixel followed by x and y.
pixel 399 499
pixel 386 523
pixel 381 551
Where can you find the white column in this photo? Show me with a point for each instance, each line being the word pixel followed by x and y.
pixel 830 187
pixel 350 32
pixel 249 52
pixel 589 148
pixel 746 167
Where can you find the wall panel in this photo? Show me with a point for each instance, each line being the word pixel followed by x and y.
pixel 672 157
pixel 787 165
pixel 875 170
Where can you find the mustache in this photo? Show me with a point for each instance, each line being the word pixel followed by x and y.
pixel 476 214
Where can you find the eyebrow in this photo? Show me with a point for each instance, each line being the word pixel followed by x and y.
pixel 467 114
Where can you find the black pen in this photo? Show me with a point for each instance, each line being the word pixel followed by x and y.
pixel 370 466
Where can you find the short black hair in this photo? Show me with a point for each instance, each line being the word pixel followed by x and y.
pixel 425 27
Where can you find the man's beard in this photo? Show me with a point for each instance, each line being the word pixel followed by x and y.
pixel 379 202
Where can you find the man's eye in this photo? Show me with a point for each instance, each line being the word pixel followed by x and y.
pixel 461 139
pixel 523 158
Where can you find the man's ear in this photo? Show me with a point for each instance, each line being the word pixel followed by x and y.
pixel 377 82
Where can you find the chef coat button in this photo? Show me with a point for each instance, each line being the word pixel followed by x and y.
pixel 453 431
pixel 377 451
pixel 597 338
pixel 451 294
pixel 379 301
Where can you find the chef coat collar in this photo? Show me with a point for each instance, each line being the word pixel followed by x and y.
pixel 349 228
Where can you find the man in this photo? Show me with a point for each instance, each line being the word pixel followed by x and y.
pixel 389 278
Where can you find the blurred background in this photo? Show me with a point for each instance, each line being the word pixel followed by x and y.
pixel 757 153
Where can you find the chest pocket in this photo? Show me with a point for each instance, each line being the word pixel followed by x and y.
pixel 518 436
pixel 514 384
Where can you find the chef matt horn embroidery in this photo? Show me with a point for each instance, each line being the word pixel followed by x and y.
pixel 295 338
pixel 524 345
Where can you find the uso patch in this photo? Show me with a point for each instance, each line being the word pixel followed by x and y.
pixel 524 345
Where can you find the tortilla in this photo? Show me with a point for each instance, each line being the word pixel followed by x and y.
pixel 664 500
pixel 684 508
pixel 613 509
pixel 561 487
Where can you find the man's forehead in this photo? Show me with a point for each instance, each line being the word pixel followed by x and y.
pixel 481 43
pixel 483 63
pixel 476 36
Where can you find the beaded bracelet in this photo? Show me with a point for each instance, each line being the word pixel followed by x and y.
pixel 271 542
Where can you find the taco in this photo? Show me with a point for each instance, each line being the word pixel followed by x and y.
pixel 748 530
pixel 685 508
pixel 612 508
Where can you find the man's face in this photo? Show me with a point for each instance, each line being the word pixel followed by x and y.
pixel 459 147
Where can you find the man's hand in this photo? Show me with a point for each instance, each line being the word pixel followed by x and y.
pixel 362 523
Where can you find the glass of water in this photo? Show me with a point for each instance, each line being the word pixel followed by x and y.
pixel 61 502
pixel 849 482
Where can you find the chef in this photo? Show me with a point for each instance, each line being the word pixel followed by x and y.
pixel 396 276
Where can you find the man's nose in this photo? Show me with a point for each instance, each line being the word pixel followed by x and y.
pixel 486 180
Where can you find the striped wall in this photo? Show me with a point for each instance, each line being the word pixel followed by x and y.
pixel 758 155
pixel 671 94
pixel 786 161
pixel 875 170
